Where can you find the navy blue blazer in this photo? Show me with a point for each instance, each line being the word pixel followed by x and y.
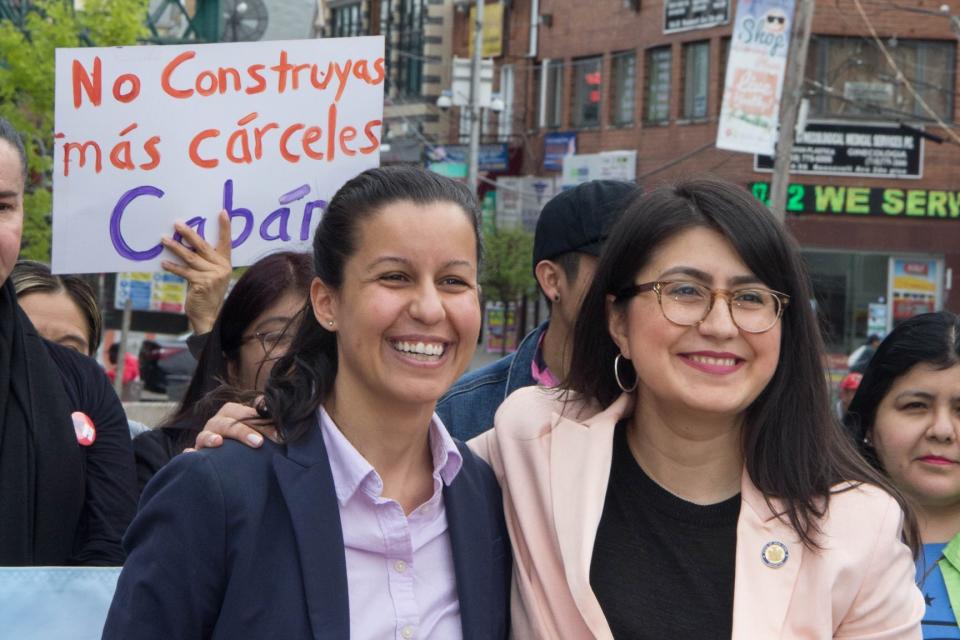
pixel 246 543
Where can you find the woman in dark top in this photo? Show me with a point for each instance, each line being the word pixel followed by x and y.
pixel 252 331
pixel 67 493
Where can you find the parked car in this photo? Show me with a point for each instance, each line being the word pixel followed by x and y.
pixel 166 365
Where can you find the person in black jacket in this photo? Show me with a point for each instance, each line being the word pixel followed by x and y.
pixel 66 462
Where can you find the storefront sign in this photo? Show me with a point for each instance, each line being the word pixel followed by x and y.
pixel 750 111
pixel 682 15
pixel 151 292
pixel 929 204
pixel 493 157
pixel 556 146
pixel 914 287
pixel 520 200
pixel 854 149
pixel 609 165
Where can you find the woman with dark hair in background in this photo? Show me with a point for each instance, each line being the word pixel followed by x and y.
pixel 692 482
pixel 368 520
pixel 67 486
pixel 63 308
pixel 906 419
pixel 251 332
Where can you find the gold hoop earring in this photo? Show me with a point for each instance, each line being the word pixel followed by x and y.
pixel 616 375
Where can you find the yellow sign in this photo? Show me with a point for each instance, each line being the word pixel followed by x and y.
pixel 492 30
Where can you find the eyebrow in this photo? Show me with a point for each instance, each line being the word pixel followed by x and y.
pixel 266 321
pixel 9 194
pixel 407 263
pixel 914 393
pixel 75 340
pixel 706 277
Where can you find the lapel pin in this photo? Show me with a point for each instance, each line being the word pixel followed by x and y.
pixel 774 554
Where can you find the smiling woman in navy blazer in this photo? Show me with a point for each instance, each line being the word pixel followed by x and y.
pixel 367 520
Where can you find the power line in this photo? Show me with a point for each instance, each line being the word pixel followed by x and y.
pixel 900 76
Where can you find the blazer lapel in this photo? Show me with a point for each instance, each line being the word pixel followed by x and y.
pixel 307 485
pixel 762 592
pixel 472 552
pixel 580 458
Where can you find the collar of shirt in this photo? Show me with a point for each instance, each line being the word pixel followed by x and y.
pixel 351 471
pixel 539 370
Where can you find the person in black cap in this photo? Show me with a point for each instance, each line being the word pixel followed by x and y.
pixel 570 232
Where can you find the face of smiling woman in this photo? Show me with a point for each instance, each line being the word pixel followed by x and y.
pixel 711 369
pixel 407 315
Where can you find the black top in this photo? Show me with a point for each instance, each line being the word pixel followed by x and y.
pixel 153 450
pixel 111 492
pixel 662 568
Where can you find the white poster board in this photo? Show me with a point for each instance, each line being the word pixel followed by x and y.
pixel 750 112
pixel 149 135
pixel 607 165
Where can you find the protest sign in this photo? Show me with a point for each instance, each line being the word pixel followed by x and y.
pixel 750 112
pixel 146 136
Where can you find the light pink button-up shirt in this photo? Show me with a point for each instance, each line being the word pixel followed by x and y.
pixel 400 576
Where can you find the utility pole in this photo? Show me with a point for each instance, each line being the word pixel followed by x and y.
pixel 473 157
pixel 790 104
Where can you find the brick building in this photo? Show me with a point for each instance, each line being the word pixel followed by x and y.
pixel 880 228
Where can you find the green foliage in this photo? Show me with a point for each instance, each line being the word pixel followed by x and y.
pixel 507 272
pixel 27 86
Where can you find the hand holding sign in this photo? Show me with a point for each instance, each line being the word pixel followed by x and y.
pixel 206 269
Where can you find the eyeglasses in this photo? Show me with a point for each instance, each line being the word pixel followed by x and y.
pixel 279 339
pixel 687 304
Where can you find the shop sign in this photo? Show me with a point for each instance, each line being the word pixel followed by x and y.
pixel 683 15
pixel 556 146
pixel 609 165
pixel 520 200
pixel 492 157
pixel 914 287
pixel 853 149
pixel 822 199
pixel 492 30
pixel 150 292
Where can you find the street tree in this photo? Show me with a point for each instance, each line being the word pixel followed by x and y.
pixel 27 86
pixel 507 275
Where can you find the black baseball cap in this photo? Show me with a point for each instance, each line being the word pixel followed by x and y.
pixel 580 218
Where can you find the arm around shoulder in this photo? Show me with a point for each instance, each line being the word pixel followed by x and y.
pixel 173 582
pixel 888 604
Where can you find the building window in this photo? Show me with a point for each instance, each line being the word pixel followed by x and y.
pixel 854 80
pixel 587 89
pixel 552 101
pixel 623 88
pixel 505 117
pixel 658 84
pixel 345 21
pixel 722 70
pixel 696 80
pixel 408 65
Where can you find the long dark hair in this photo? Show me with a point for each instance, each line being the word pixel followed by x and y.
pixel 304 377
pixel 794 447
pixel 930 338
pixel 262 285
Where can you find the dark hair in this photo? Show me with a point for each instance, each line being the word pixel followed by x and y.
pixel 794 448
pixel 930 338
pixel 35 277
pixel 304 377
pixel 262 285
pixel 11 135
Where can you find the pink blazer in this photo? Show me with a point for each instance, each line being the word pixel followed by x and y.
pixel 553 464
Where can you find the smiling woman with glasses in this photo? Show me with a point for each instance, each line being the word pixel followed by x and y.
pixel 690 480
pixel 252 331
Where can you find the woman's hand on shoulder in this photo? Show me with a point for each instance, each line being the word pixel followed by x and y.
pixel 235 422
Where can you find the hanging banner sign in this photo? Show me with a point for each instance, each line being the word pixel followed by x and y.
pixel 683 15
pixel 750 111
pixel 853 149
pixel 927 204
pixel 149 135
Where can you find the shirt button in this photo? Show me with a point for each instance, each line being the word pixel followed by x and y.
pixel 400 566
pixel 407 632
